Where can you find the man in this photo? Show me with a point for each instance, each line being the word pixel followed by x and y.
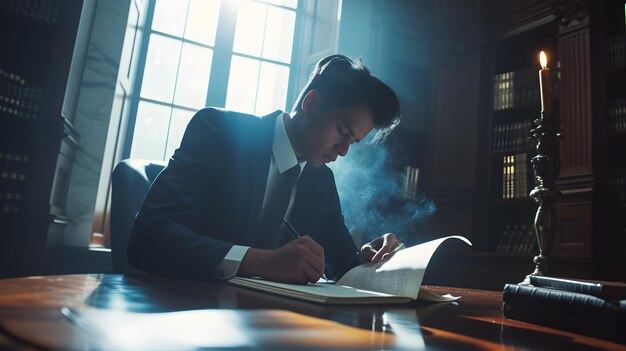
pixel 216 210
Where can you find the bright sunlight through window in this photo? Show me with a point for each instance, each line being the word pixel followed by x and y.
pixel 188 40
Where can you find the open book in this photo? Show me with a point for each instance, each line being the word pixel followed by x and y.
pixel 396 280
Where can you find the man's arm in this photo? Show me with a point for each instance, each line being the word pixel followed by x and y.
pixel 300 261
pixel 340 249
pixel 168 235
pixel 165 235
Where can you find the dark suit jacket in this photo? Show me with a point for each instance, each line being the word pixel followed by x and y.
pixel 210 194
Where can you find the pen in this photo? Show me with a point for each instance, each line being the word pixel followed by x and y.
pixel 295 234
pixel 398 248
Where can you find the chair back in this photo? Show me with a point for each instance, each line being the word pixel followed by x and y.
pixel 130 182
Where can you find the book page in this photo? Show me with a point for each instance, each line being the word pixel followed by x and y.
pixel 401 275
pixel 321 288
pixel 428 295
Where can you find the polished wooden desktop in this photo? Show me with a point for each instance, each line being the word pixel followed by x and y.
pixel 31 318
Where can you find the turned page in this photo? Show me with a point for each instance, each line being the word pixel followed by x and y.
pixel 401 275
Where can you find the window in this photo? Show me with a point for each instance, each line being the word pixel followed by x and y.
pixel 234 54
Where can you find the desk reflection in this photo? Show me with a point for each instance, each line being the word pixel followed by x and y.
pixel 30 315
pixel 148 294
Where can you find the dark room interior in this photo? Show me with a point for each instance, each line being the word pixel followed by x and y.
pixel 512 135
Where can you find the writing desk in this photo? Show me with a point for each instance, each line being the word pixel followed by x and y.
pixel 30 316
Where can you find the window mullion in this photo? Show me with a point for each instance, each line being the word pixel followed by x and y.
pixel 180 57
pixel 138 83
pixel 258 78
pixel 222 53
pixel 292 89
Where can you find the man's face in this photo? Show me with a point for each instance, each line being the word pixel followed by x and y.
pixel 328 133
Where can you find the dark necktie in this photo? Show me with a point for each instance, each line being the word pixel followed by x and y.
pixel 275 208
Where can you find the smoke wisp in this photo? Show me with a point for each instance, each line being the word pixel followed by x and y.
pixel 373 195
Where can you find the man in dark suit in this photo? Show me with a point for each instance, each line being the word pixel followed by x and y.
pixel 215 211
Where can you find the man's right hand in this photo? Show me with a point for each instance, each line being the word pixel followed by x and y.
pixel 300 261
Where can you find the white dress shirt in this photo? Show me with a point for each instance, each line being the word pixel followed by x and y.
pixel 283 158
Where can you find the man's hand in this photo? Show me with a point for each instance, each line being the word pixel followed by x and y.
pixel 380 248
pixel 299 261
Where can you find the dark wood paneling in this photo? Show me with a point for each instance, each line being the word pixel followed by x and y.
pixel 575 102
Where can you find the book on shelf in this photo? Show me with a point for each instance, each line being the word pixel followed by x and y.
pixel 601 289
pixel 514 176
pixel 617 116
pixel 617 186
pixel 42 10
pixel 13 170
pixel 506 170
pixel 565 310
pixel 511 137
pixel 517 239
pixel 17 98
pixel 519 88
pixel 411 182
pixel 395 280
pixel 616 51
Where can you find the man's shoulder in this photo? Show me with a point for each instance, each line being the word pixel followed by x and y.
pixel 217 115
pixel 322 172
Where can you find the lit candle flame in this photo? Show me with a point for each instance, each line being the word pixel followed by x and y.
pixel 543 59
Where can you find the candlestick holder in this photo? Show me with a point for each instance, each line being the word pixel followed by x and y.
pixel 546 168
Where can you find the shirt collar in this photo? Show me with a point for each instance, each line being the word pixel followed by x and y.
pixel 282 149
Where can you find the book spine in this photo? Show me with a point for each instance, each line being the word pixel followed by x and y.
pixel 565 310
pixel 567 285
pixel 558 300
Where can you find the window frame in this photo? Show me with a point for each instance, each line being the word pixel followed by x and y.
pixel 220 67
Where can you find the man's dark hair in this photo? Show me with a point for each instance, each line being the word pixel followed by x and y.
pixel 342 82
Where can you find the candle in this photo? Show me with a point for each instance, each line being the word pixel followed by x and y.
pixel 544 83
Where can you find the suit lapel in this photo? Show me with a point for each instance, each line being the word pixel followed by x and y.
pixel 261 156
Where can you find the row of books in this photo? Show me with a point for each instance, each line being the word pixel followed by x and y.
pixel 42 10
pixel 517 239
pixel 13 170
pixel 515 176
pixel 511 137
pixel 17 98
pixel 617 116
pixel 597 309
pixel 616 52
pixel 10 202
pixel 617 232
pixel 519 88
pixel 617 186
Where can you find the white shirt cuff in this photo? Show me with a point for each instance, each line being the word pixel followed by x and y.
pixel 230 264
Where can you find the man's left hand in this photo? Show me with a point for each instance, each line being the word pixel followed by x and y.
pixel 380 248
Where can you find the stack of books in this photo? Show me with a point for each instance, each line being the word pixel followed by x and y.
pixel 596 309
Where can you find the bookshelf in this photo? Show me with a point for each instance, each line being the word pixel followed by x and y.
pixel 585 46
pixel 513 106
pixel 614 98
pixel 38 80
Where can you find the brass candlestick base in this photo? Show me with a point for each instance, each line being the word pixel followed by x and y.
pixel 546 168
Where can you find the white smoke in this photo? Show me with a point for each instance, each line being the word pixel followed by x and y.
pixel 372 195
